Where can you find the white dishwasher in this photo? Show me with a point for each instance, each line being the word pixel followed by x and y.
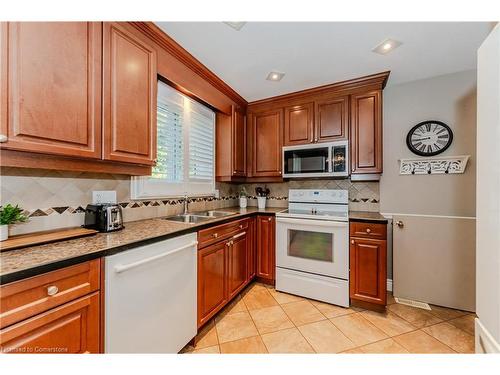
pixel 150 293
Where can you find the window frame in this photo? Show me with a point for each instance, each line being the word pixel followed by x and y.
pixel 147 187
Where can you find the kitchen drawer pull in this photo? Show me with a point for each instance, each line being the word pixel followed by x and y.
pixel 368 230
pixel 215 235
pixel 241 226
pixel 239 235
pixel 52 290
pixel 122 268
pixel 352 241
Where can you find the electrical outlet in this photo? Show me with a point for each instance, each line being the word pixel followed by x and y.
pixel 104 196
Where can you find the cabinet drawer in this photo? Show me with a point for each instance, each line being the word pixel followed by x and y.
pixel 368 230
pixel 221 232
pixel 25 298
pixel 70 328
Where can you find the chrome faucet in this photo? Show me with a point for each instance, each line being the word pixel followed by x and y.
pixel 186 203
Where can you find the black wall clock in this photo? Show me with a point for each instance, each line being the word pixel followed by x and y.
pixel 429 138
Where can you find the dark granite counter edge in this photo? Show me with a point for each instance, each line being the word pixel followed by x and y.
pixel 364 220
pixel 369 218
pixel 47 267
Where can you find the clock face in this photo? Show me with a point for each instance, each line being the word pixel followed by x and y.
pixel 429 138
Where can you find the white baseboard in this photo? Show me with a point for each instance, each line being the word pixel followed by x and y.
pixel 484 341
pixel 389 285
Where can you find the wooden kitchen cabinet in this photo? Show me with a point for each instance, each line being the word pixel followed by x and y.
pixel 129 96
pixel 366 133
pixel 70 328
pixel 50 99
pixel 331 119
pixel 237 262
pixel 368 266
pixel 252 250
pixel 212 279
pixel 55 312
pixel 231 145
pixel 299 127
pixel 266 249
pixel 267 140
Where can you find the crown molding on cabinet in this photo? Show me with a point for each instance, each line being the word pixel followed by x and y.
pixel 378 79
pixel 174 48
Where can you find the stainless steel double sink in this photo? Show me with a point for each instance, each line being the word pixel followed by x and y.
pixel 199 217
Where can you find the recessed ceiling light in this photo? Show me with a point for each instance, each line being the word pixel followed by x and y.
pixel 236 25
pixel 386 46
pixel 275 76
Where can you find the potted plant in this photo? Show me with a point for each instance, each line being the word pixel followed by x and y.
pixel 243 197
pixel 10 214
pixel 262 195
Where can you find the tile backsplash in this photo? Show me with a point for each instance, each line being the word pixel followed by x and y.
pixel 54 199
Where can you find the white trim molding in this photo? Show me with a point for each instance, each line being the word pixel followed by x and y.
pixel 484 341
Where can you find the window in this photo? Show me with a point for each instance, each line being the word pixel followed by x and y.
pixel 185 149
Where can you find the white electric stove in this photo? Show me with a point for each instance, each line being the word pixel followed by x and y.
pixel 312 245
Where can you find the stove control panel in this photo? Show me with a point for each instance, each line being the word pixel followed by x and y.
pixel 318 195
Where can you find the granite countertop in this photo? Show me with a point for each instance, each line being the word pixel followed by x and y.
pixel 34 260
pixel 367 216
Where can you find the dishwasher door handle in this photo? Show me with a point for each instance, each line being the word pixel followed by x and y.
pixel 125 267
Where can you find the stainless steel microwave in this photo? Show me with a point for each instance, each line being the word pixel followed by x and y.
pixel 316 160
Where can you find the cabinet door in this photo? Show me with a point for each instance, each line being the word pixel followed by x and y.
pixel 239 143
pixel 211 281
pixel 70 328
pixel 51 81
pixel 252 251
pixel 237 263
pixel 266 247
pixel 267 142
pixel 298 124
pixel 368 270
pixel 129 105
pixel 331 119
pixel 366 133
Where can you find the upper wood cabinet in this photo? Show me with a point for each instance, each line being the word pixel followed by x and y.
pixel 331 119
pixel 299 124
pixel 231 145
pixel 129 105
pixel 366 133
pixel 266 252
pixel 267 140
pixel 51 85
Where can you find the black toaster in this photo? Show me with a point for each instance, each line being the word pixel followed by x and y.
pixel 104 217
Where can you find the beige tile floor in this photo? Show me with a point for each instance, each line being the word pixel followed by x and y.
pixel 262 320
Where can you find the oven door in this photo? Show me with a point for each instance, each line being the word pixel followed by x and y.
pixel 315 246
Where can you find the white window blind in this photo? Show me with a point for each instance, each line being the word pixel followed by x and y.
pixel 185 149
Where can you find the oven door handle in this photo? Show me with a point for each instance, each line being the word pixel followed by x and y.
pixel 319 223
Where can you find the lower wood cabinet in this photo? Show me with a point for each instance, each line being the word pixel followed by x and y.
pixel 237 262
pixel 368 268
pixel 266 252
pixel 56 312
pixel 70 328
pixel 212 278
pixel 227 266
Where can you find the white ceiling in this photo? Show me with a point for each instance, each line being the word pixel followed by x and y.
pixel 318 53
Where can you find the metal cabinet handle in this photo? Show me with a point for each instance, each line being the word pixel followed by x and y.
pixel 52 290
pixel 215 235
pixel 239 235
pixel 241 226
pixel 400 224
pixel 3 138
pixel 368 230
pixel 352 241
pixel 269 219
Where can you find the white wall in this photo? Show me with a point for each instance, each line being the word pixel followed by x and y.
pixel 452 99
pixel 488 195
pixel 449 98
